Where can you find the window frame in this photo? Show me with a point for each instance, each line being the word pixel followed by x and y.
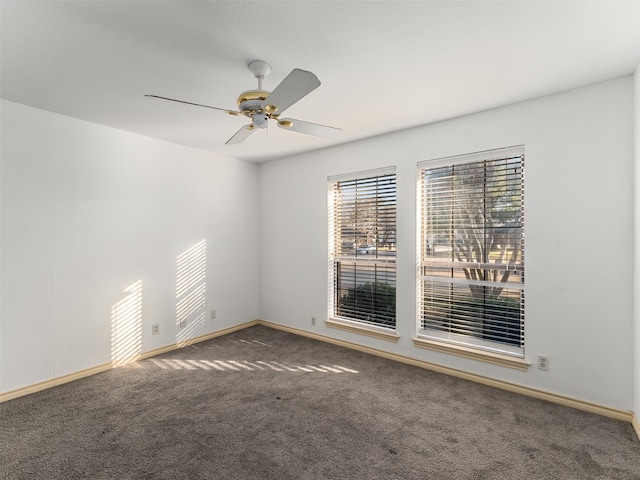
pixel 465 344
pixel 381 258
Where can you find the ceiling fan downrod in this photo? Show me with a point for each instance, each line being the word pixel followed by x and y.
pixel 260 70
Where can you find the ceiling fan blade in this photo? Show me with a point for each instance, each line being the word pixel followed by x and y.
pixel 295 86
pixel 309 128
pixel 241 135
pixel 230 112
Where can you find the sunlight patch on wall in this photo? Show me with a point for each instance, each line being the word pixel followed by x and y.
pixel 126 326
pixel 245 365
pixel 191 288
pixel 191 268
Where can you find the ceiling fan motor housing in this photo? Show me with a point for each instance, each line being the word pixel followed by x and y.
pixel 250 103
pixel 251 100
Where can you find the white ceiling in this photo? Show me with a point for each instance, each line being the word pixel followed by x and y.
pixel 384 65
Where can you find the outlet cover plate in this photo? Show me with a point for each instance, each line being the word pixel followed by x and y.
pixel 543 362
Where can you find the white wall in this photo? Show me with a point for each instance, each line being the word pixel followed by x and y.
pixel 579 235
pixel 88 211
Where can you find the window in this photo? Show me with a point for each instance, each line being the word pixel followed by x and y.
pixel 471 250
pixel 362 248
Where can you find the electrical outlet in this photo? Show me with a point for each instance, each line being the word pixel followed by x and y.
pixel 183 323
pixel 313 321
pixel 543 362
pixel 213 314
pixel 155 329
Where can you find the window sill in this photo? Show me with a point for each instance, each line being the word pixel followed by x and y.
pixel 489 357
pixel 361 329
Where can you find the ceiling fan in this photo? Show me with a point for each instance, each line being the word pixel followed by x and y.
pixel 261 106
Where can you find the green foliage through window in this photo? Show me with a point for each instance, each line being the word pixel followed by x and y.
pixel 370 302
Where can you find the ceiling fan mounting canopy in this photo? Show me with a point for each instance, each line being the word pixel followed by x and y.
pixel 260 69
pixel 261 105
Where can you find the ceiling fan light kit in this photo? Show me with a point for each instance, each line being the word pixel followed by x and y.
pixel 261 106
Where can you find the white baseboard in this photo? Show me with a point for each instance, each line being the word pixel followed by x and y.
pixel 511 387
pixel 54 382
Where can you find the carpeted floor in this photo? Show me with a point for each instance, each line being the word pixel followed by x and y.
pixel 265 404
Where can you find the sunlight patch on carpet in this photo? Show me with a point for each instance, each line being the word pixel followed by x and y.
pixel 243 366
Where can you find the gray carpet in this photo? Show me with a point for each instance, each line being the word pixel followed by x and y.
pixel 265 404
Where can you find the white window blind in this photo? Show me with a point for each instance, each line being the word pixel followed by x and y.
pixel 471 250
pixel 362 227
